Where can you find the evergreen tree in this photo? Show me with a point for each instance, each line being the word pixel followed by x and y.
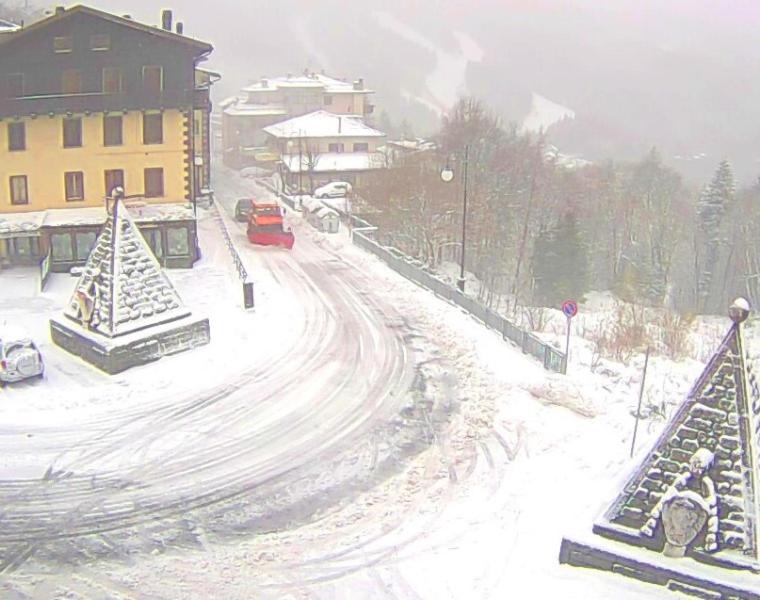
pixel 716 199
pixel 560 263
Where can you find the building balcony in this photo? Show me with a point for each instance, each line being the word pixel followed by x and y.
pixel 57 104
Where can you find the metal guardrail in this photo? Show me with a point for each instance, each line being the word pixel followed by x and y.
pixel 551 358
pixel 242 273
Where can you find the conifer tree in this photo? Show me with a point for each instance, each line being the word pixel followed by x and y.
pixel 716 199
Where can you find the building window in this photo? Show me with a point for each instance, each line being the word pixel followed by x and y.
pixel 177 241
pixel 154 183
pixel 111 80
pixel 100 41
pixel 335 147
pixel 112 130
pixel 62 45
pixel 72 133
pixel 153 128
pixel 19 190
pixel 153 237
pixel 328 100
pixel 14 85
pixel 61 249
pixel 361 147
pixel 74 183
pixel 153 79
pixel 114 178
pixel 16 136
pixel 25 247
pixel 71 81
pixel 83 243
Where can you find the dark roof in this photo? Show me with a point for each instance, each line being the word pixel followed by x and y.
pixel 203 47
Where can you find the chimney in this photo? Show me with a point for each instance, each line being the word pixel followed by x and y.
pixel 59 10
pixel 264 82
pixel 180 28
pixel 359 84
pixel 166 20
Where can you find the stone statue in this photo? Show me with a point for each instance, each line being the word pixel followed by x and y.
pixel 686 506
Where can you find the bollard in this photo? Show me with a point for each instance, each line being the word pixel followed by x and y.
pixel 248 294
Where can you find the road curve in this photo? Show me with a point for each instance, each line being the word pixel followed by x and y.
pixel 277 423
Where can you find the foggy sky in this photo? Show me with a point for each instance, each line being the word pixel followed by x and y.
pixel 678 74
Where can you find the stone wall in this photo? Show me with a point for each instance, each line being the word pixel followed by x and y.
pixel 117 358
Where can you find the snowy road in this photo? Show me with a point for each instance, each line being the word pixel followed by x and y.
pixel 247 454
pixel 350 438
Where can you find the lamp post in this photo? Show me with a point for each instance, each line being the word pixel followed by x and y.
pixel 447 175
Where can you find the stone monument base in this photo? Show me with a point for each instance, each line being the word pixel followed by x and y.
pixel 683 575
pixel 114 355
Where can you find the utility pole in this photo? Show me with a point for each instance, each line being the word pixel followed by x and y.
pixel 641 395
pixel 300 164
pixel 460 283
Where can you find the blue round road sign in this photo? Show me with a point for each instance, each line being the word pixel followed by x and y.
pixel 570 308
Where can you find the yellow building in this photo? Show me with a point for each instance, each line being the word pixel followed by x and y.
pixel 90 101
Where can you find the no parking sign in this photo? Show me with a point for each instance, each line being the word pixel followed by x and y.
pixel 570 309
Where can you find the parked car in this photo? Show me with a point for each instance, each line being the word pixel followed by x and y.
pixel 334 189
pixel 19 359
pixel 252 172
pixel 243 208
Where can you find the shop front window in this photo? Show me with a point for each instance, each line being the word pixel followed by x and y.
pixel 177 241
pixel 84 242
pixel 25 247
pixel 61 248
pixel 153 237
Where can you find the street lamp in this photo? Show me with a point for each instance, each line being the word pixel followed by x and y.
pixel 447 175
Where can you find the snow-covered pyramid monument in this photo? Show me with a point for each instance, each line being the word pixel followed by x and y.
pixel 689 516
pixel 124 310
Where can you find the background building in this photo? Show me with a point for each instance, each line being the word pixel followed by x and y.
pixel 270 101
pixel 321 146
pixel 90 101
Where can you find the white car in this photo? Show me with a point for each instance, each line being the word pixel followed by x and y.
pixel 19 359
pixel 334 189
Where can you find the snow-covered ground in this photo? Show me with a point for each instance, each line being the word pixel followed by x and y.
pixel 460 488
pixel 543 114
pixel 448 80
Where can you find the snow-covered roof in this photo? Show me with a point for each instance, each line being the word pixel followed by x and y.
pixel 255 110
pixel 31 222
pixel 324 212
pixel 19 223
pixel 322 124
pixel 122 287
pixel 416 144
pixel 8 27
pixel 331 85
pixel 95 215
pixel 66 13
pixel 330 162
